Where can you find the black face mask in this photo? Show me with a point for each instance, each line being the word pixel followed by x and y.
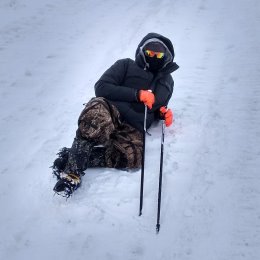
pixel 155 64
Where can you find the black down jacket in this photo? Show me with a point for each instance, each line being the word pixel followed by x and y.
pixel 122 81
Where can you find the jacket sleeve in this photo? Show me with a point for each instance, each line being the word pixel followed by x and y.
pixel 110 85
pixel 163 93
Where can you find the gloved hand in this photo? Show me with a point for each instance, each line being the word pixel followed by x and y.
pixel 167 115
pixel 147 98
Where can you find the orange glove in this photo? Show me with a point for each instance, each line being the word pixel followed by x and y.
pixel 167 115
pixel 147 98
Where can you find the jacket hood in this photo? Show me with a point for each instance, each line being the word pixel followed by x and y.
pixel 169 65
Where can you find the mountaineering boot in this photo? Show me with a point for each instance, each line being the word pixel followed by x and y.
pixel 67 184
pixel 71 166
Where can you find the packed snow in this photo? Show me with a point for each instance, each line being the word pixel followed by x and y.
pixel 51 54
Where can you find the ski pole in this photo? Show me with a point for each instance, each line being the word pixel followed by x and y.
pixel 143 160
pixel 160 179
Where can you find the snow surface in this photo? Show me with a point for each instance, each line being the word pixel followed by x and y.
pixel 51 54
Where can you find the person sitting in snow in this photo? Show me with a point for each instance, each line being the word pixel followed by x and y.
pixel 110 127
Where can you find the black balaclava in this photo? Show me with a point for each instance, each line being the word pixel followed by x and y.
pixel 154 63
